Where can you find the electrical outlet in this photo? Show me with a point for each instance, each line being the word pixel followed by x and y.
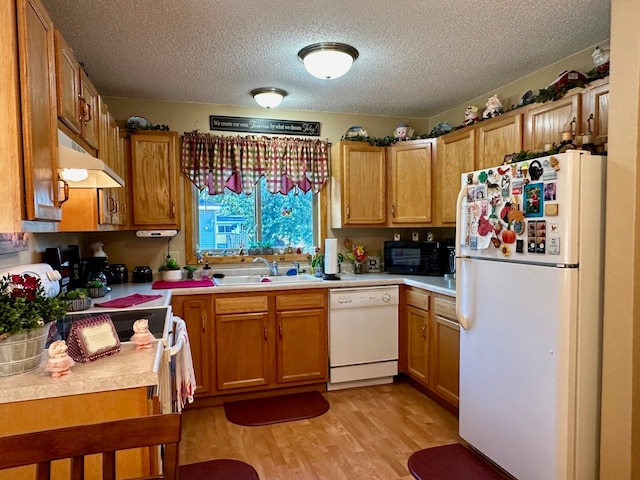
pixel 175 255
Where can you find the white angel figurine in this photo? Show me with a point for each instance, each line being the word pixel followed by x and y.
pixel 142 337
pixel 59 362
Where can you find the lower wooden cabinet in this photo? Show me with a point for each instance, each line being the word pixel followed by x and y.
pixel 432 343
pixel 195 310
pixel 445 349
pixel 248 342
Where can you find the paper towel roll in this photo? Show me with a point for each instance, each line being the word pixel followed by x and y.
pixel 331 256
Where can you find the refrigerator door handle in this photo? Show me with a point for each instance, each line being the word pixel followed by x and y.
pixel 461 195
pixel 462 319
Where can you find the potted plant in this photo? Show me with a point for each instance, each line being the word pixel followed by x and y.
pixel 96 288
pixel 190 269
pixel 25 316
pixel 76 300
pixel 170 270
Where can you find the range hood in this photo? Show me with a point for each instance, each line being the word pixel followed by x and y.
pixel 81 170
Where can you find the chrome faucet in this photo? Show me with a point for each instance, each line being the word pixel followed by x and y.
pixel 273 267
pixel 296 265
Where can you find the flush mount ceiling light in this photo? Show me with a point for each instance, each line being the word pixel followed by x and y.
pixel 268 97
pixel 328 60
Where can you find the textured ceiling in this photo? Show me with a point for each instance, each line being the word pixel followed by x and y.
pixel 417 57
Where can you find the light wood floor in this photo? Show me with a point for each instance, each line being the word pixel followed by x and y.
pixel 368 433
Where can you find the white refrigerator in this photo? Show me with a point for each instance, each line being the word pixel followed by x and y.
pixel 529 282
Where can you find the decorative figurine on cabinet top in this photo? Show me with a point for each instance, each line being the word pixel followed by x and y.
pixel 403 132
pixel 494 107
pixel 355 131
pixel 59 362
pixel 600 57
pixel 471 115
pixel 142 336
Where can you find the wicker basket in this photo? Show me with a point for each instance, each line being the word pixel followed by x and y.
pixel 78 304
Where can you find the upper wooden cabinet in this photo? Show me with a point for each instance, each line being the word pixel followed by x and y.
pixel 498 137
pixel 595 110
pixel 28 110
pixel 456 155
pixel 154 188
pixel 546 122
pixel 410 183
pixel 77 98
pixel 358 185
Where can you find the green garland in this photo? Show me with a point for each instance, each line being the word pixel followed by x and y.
pixel 548 94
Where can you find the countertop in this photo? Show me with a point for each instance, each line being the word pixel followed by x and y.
pixel 441 285
pixel 129 368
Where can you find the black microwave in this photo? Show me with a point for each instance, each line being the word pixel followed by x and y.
pixel 415 258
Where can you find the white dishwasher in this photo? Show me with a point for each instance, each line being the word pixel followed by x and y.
pixel 363 336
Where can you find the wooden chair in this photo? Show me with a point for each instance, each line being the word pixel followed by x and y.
pixel 41 448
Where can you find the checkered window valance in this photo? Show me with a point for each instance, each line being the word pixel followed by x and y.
pixel 237 163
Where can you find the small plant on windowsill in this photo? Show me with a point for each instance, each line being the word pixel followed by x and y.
pixel 190 269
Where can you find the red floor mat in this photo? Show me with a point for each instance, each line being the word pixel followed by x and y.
pixel 269 410
pixel 451 462
pixel 222 469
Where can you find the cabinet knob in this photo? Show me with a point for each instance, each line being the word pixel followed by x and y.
pixel 203 320
pixel 266 333
pixel 280 329
pixel 424 332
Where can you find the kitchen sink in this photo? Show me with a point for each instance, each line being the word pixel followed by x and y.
pixel 255 279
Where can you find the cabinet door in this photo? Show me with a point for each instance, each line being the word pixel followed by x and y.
pixel 445 350
pixel 38 102
pixel 410 184
pixel 358 185
pixel 242 350
pixel 301 346
pixel 89 110
pixel 545 123
pixel 196 312
pixel 456 155
pixel 418 344
pixel 498 137
pixel 67 85
pixel 596 112
pixel 154 179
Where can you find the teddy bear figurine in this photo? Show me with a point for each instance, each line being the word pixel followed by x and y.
pixel 59 362
pixel 142 337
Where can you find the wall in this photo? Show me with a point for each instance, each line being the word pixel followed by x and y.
pixel 511 93
pixel 620 447
pixel 38 243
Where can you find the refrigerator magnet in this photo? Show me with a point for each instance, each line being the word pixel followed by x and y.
pixel 533 201
pixel 549 192
pixel 505 186
pixel 516 187
pixel 519 246
pixel 554 246
pixel 551 209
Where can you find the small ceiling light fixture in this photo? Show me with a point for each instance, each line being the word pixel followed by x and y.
pixel 328 60
pixel 268 97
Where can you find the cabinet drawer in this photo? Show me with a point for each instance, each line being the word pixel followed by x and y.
pixel 418 298
pixel 241 304
pixel 297 301
pixel 445 308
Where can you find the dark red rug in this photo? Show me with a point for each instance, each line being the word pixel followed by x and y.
pixel 451 462
pixel 222 469
pixel 269 410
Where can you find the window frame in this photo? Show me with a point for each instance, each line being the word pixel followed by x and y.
pixel 320 208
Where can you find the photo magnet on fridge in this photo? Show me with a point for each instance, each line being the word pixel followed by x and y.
pixel 533 200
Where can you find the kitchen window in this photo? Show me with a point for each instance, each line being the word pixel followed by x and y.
pixel 251 193
pixel 230 222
